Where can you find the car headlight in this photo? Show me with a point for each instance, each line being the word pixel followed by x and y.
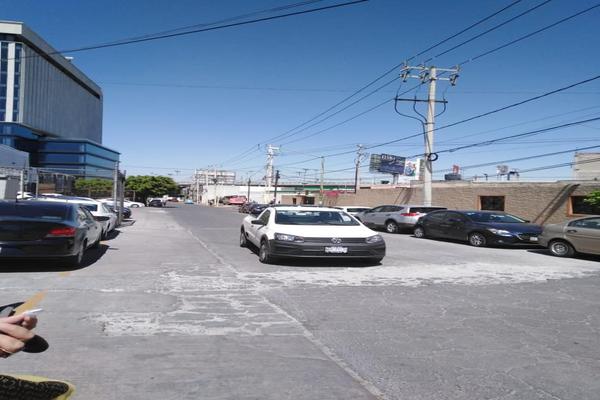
pixel 374 239
pixel 500 232
pixel 288 238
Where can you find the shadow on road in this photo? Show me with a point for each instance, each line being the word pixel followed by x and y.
pixel 577 256
pixel 90 257
pixel 520 246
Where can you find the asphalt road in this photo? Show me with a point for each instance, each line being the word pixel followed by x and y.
pixel 173 308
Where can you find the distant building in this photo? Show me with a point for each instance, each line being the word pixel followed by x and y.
pixel 49 108
pixel 587 166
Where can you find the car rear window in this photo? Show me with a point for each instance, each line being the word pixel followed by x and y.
pixel 357 209
pixel 54 212
pixel 303 217
pixel 90 207
pixel 424 210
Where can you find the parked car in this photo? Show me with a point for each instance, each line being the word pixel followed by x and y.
pixel 353 210
pixel 188 201
pixel 479 228
pixel 237 200
pixel 155 203
pixel 245 208
pixel 43 229
pixel 581 235
pixel 394 217
pixel 310 232
pixel 126 203
pixel 115 210
pixel 256 208
pixel 97 208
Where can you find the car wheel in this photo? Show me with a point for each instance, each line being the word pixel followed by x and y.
pixel 243 239
pixel 264 253
pixel 477 239
pixel 75 260
pixel 135 205
pixel 96 243
pixel 560 248
pixel 104 235
pixel 419 232
pixel 391 227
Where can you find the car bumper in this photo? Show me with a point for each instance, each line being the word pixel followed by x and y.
pixel 525 240
pixel 318 250
pixel 47 248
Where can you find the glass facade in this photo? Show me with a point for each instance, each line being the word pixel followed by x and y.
pixel 73 157
pixel 3 79
pixel 17 84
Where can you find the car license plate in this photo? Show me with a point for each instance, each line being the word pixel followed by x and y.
pixel 533 239
pixel 336 250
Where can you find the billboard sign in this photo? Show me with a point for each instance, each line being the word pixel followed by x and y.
pixel 391 164
pixel 375 163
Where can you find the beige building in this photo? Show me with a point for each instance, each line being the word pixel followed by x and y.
pixel 540 202
pixel 587 166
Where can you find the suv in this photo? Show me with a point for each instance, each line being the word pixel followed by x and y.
pixel 394 217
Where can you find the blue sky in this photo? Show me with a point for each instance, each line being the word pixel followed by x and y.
pixel 177 104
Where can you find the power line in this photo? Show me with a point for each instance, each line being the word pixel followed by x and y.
pixel 207 29
pixel 392 69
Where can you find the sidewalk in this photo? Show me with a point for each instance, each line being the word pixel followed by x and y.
pixel 158 316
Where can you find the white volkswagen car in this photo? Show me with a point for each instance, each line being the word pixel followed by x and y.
pixel 310 232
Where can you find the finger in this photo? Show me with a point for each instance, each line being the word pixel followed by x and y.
pixel 10 345
pixel 16 331
pixel 15 319
pixel 29 322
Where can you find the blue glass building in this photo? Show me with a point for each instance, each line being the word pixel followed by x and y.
pixel 49 108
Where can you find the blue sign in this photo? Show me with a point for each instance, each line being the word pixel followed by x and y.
pixel 392 164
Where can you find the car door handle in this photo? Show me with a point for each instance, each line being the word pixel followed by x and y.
pixel 571 230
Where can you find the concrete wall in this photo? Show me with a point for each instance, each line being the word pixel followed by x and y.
pixel 539 202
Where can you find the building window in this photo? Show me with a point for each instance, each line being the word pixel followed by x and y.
pixel 491 203
pixel 578 206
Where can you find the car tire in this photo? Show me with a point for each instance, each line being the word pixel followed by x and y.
pixel 561 248
pixel 264 253
pixel 96 243
pixel 135 206
pixel 477 239
pixel 243 239
pixel 75 260
pixel 419 232
pixel 391 226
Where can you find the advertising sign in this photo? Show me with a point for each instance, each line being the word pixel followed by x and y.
pixel 375 163
pixel 391 164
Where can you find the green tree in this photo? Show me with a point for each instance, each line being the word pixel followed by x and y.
pixel 148 186
pixel 593 199
pixel 93 187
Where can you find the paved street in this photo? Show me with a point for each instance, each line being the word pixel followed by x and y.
pixel 173 308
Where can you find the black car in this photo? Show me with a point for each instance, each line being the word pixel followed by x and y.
pixel 256 209
pixel 126 210
pixel 40 229
pixel 155 203
pixel 479 228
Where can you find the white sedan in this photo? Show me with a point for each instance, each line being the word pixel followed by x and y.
pixel 126 203
pixel 310 232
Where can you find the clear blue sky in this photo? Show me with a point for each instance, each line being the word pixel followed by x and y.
pixel 198 100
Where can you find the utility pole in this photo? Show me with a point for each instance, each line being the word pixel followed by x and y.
pixel 359 156
pixel 197 187
pixel 321 193
pixel 269 175
pixel 429 74
pixel 215 180
pixel 276 184
pixel 249 181
pixel 115 183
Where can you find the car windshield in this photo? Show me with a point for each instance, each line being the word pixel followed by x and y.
pixel 90 207
pixel 304 217
pixel 494 217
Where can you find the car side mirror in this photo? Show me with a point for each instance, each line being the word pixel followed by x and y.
pixel 257 222
pixel 101 218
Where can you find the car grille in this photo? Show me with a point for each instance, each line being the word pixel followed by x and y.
pixel 527 236
pixel 328 241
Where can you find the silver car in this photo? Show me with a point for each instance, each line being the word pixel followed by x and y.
pixel 353 210
pixel 577 235
pixel 394 217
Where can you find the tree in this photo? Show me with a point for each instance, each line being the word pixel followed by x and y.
pixel 593 199
pixel 93 186
pixel 146 185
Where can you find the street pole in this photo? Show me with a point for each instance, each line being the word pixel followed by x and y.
pixel 359 155
pixel 429 74
pixel 22 183
pixel 322 179
pixel 206 184
pixel 249 189
pixel 276 183
pixel 215 180
pixel 115 184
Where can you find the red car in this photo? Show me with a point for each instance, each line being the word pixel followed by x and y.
pixel 237 200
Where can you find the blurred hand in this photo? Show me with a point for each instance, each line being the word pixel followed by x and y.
pixel 15 331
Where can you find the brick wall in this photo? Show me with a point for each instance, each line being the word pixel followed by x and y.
pixel 539 202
